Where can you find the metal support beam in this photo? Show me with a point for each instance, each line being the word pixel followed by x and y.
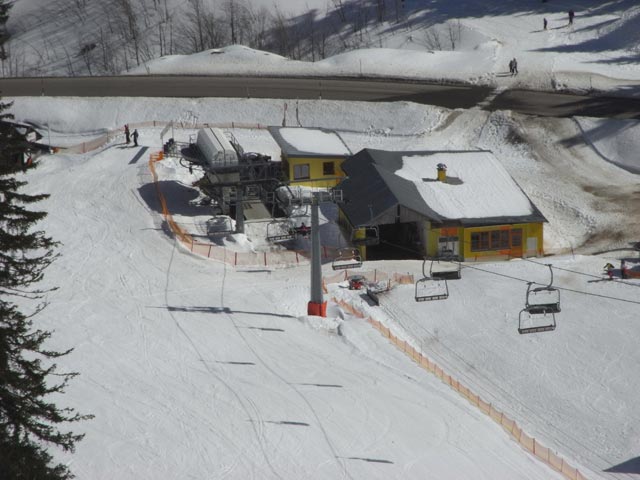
pixel 316 259
pixel 239 210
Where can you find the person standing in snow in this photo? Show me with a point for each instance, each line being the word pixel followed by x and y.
pixel 515 66
pixel 135 138
pixel 511 67
pixel 571 15
pixel 126 134
pixel 609 269
pixel 544 23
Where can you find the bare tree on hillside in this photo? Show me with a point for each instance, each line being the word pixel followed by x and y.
pixel 230 10
pixel 281 33
pixel 255 25
pixel 201 29
pixel 381 10
pixel 341 9
pixel 454 29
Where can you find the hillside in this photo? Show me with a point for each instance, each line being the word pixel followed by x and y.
pixel 470 41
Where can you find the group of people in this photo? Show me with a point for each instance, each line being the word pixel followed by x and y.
pixel 571 14
pixel 513 66
pixel 128 136
pixel 624 270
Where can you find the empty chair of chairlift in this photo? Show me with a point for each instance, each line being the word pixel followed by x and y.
pixel 279 231
pixel 429 288
pixel 347 258
pixel 446 268
pixel 371 236
pixel 541 300
pixel 541 305
pixel 533 321
pixel 219 225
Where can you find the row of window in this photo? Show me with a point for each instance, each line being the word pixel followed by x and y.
pixel 496 240
pixel 303 172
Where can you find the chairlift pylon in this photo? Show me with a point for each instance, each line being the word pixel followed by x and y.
pixel 429 288
pixel 347 258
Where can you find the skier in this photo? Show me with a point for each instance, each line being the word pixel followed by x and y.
pixel 515 66
pixel 126 134
pixel 571 15
pixel 135 138
pixel 609 269
pixel 511 67
pixel 544 22
pixel 304 230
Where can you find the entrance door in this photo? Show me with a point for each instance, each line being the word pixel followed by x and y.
pixel 448 246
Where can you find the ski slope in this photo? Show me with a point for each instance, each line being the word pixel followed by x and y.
pixel 193 370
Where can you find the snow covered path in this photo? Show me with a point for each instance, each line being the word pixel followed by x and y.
pixel 196 371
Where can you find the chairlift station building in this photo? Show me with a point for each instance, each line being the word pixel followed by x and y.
pixel 419 203
pixel 311 157
pixel 439 203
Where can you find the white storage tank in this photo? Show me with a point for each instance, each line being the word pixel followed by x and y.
pixel 216 148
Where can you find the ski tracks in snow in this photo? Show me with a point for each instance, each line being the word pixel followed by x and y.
pixel 249 408
pixel 340 462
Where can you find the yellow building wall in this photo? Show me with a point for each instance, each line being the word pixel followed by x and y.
pixel 316 174
pixel 434 234
pixel 529 231
pixel 531 240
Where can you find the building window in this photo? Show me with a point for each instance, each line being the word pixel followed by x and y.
pixel 328 168
pixel 496 240
pixel 301 172
pixel 499 239
pixel 479 241
pixel 516 237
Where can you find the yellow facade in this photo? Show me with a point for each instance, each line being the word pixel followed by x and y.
pixel 314 171
pixel 477 243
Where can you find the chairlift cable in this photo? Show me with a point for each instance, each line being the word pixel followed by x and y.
pixel 599 277
pixel 555 286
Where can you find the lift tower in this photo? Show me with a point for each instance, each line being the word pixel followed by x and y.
pixel 317 305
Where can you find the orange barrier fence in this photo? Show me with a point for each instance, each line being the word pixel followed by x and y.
pixel 110 135
pixel 278 258
pixel 375 276
pixel 530 444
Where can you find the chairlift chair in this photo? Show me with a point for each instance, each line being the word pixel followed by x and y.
pixel 446 268
pixel 545 299
pixel 541 305
pixel 219 225
pixel 429 288
pixel 279 231
pixel 535 321
pixel 371 236
pixel 347 258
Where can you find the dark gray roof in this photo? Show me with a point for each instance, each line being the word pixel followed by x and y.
pixel 290 150
pixel 372 188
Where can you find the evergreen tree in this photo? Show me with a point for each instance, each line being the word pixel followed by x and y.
pixel 5 6
pixel 4 11
pixel 28 376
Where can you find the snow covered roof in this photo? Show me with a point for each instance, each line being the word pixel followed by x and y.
pixel 309 142
pixel 478 190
